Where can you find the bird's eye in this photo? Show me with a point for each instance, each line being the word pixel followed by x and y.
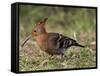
pixel 34 30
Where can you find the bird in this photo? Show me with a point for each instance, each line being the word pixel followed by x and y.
pixel 50 42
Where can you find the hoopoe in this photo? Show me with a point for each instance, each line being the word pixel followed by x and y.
pixel 51 43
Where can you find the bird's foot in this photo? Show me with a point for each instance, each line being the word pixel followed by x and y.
pixel 64 57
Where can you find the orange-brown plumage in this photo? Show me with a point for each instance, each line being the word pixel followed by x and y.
pixel 52 43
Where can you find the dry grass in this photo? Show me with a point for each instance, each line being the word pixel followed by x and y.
pixel 32 58
pixel 67 21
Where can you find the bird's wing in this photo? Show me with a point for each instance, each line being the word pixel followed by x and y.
pixel 59 41
pixel 52 40
pixel 53 36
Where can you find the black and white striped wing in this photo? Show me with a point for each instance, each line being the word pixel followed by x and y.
pixel 64 42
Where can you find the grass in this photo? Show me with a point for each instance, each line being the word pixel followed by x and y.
pixel 81 21
pixel 32 58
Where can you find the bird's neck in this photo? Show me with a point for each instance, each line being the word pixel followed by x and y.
pixel 41 39
pixel 42 36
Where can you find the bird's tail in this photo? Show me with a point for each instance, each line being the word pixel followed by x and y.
pixel 79 45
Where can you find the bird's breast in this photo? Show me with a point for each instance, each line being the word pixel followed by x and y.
pixel 42 41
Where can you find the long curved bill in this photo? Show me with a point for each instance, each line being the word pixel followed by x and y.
pixel 26 39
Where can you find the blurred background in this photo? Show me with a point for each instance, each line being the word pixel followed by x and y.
pixel 75 22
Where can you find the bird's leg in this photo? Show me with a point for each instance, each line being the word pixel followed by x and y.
pixel 52 56
pixel 63 56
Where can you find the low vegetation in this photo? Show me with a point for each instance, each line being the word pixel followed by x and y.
pixel 77 23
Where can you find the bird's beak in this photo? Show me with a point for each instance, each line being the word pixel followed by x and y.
pixel 26 39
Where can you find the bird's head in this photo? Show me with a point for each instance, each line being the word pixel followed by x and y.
pixel 37 30
pixel 39 27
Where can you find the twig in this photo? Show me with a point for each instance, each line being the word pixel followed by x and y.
pixel 75 35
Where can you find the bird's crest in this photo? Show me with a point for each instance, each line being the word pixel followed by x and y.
pixel 41 22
